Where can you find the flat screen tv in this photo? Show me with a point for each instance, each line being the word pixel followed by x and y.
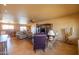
pixel 42 30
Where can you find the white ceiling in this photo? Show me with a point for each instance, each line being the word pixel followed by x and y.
pixel 41 11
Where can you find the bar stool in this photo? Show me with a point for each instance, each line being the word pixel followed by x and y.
pixel 3 47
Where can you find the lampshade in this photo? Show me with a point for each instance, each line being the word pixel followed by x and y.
pixel 51 32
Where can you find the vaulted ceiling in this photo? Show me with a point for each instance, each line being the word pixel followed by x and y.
pixel 41 11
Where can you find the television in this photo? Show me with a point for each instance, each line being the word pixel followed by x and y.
pixel 42 30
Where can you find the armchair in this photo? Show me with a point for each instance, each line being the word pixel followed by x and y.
pixel 39 41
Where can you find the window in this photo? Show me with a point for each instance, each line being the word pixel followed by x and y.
pixel 5 27
pixel 22 17
pixel 23 28
pixel 33 29
pixel 22 20
pixel 7 17
pixel 7 21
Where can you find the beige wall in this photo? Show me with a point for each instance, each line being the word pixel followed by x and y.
pixel 65 22
pixel 78 26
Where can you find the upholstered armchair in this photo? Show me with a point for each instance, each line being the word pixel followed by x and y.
pixel 39 41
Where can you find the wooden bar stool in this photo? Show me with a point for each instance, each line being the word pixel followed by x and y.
pixel 3 44
pixel 3 48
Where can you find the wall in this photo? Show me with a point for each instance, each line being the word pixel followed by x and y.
pixel 0 17
pixel 78 26
pixel 65 22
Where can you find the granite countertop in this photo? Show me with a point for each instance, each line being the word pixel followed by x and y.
pixel 3 38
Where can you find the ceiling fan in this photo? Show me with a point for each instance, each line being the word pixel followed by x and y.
pixel 32 20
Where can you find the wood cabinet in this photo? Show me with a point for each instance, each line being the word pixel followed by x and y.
pixel 43 28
